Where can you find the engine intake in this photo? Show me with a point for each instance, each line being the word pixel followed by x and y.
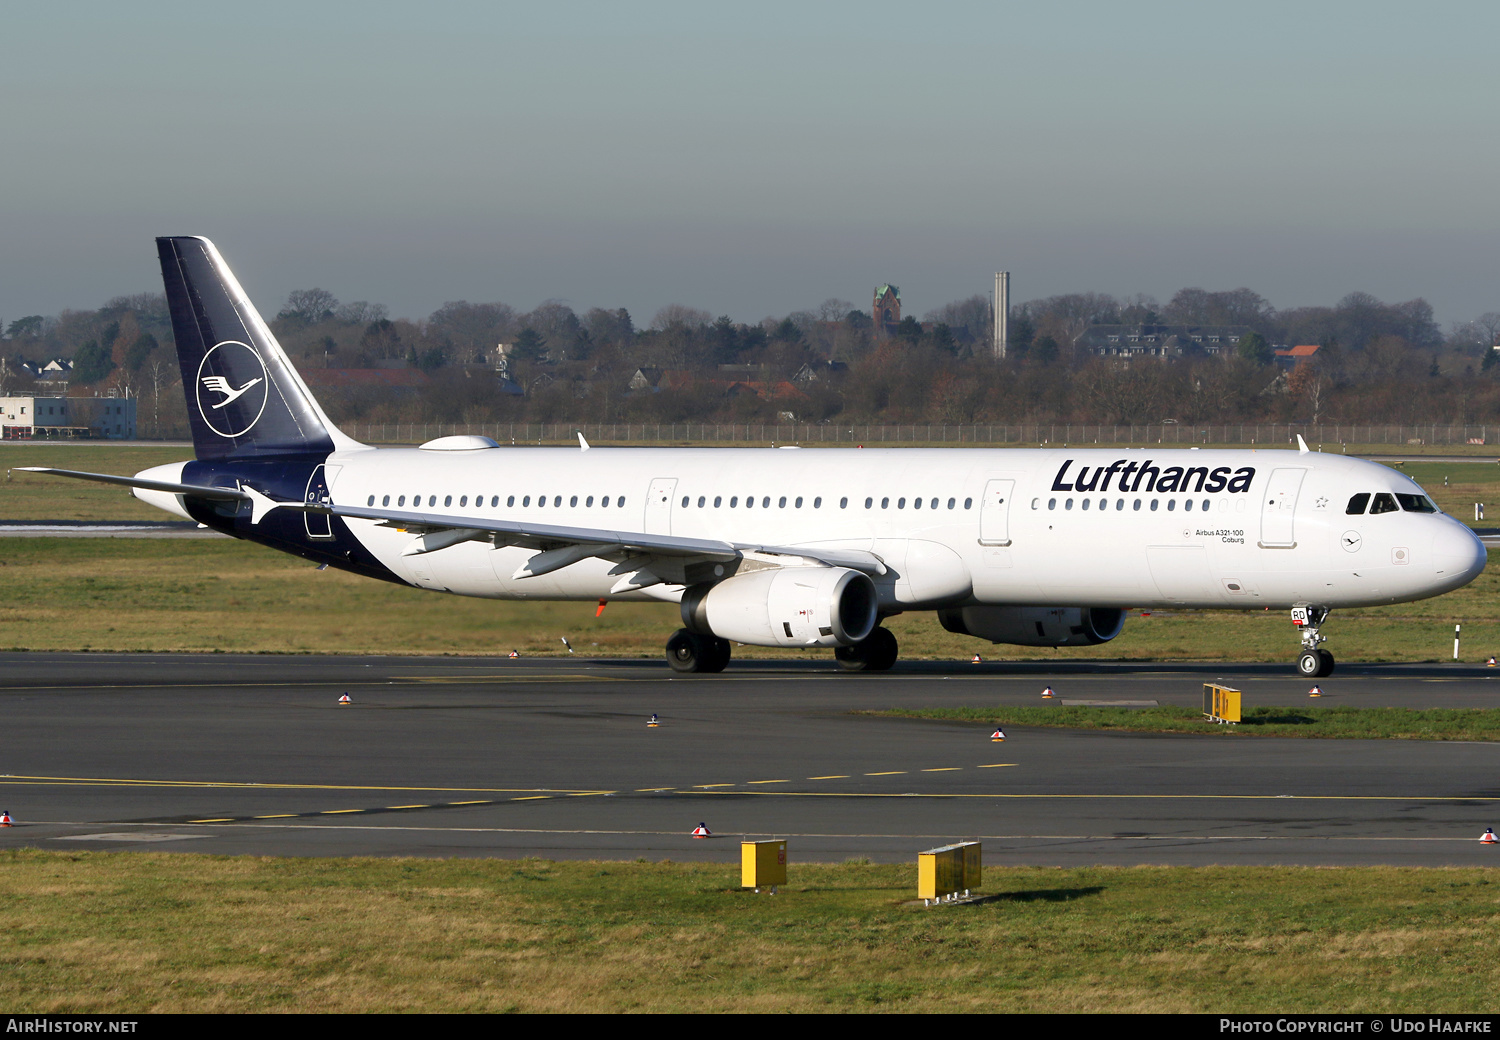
pixel 789 606
pixel 1036 626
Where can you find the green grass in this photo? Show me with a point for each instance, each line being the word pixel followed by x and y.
pixel 1342 722
pixel 147 932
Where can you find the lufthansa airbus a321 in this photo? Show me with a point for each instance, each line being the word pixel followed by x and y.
pixel 781 547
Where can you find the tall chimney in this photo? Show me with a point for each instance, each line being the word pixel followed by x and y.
pixel 1002 313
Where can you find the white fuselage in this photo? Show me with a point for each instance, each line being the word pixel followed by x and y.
pixel 954 526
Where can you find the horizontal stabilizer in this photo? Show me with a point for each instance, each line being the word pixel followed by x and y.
pixel 221 494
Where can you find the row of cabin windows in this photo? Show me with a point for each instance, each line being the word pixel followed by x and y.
pixel 510 501
pixel 1385 502
pixel 817 503
pixel 1187 506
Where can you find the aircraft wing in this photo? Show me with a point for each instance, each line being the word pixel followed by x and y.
pixel 558 545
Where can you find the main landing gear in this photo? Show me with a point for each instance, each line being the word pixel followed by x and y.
pixel 690 652
pixel 1312 663
pixel 875 653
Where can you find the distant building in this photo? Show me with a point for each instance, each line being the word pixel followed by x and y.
pixel 1132 341
pixel 886 309
pixel 67 418
pixel 1291 357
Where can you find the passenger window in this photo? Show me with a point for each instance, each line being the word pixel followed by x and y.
pixel 620 502
pixel 385 500
pixel 1171 504
pixel 1103 504
pixel 432 500
pixel 718 501
pixel 1383 503
pixel 798 503
pixel 933 504
pixel 684 501
pixel 734 500
pixel 781 502
pixel 526 501
pixel 588 503
pixel 916 503
pixel 1119 504
pixel 1204 505
pixel 1036 503
pixel 447 500
pixel 749 501
pixel 952 503
pixel 869 502
pixel 510 501
pixel 968 502
pixel 557 500
pixel 604 502
pixel 1068 504
pixel 844 503
pixel 463 501
pixel 574 501
pixel 1137 505
pixel 401 501
pixel 765 502
pixel 1357 504
pixel 1086 504
pixel 1187 506
pixel 701 500
pixel 495 501
pixel 1416 503
pixel 371 502
pixel 1051 503
pixel 885 503
pixel 818 502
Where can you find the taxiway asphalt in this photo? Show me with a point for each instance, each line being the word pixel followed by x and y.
pixel 553 758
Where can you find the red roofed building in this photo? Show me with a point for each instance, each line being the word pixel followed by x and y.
pixel 1291 357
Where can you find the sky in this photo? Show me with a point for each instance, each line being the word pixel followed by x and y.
pixel 752 160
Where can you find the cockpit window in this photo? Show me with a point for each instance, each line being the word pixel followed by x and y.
pixel 1416 503
pixel 1384 503
pixel 1357 504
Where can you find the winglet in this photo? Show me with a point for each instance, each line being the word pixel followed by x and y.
pixel 260 505
pixel 1302 448
pixel 583 445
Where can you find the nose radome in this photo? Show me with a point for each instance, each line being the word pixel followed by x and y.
pixel 1457 554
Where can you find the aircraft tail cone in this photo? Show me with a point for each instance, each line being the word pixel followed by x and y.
pixel 1487 838
pixel 702 831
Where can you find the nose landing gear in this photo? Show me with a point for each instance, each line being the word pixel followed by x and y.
pixel 1313 662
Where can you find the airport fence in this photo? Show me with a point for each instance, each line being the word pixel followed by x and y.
pixel 1328 435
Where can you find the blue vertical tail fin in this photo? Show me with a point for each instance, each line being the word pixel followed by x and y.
pixel 244 398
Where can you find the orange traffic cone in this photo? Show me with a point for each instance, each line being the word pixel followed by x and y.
pixel 702 831
pixel 513 654
pixel 344 701
pixel 1487 838
pixel 652 721
pixel 998 735
pixel 1047 693
pixel 1316 691
pixel 6 821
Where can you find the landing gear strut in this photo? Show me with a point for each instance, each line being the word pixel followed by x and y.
pixel 876 653
pixel 690 652
pixel 1312 663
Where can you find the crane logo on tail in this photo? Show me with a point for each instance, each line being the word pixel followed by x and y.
pixel 231 391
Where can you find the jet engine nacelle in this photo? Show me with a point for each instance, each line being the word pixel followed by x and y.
pixel 789 606
pixel 1036 626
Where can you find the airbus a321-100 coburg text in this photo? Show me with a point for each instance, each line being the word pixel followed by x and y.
pixel 781 547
